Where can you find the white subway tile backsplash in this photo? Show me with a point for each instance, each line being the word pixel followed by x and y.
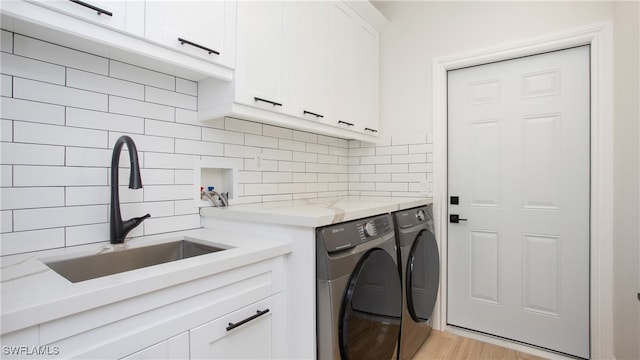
pixel 276 177
pixel 184 116
pixel 171 98
pixel 57 94
pixel 104 121
pixel 171 129
pixel 318 149
pixel 392 150
pixel 6 221
pixel 37 49
pixel 77 156
pixel 6 175
pixel 26 241
pixel 274 154
pixel 396 168
pixel 169 161
pixel 17 109
pixel 140 75
pixel 120 105
pixel 23 67
pixel 171 223
pixel 409 159
pixel 58 135
pixel 61 118
pixel 58 176
pixel 6 42
pixel 6 130
pixel 198 148
pixel 32 154
pixel 45 218
pixel 186 87
pixel 285 144
pixel 27 198
pixel 88 195
pixel 184 207
pixel 305 137
pixel 146 143
pixel 6 85
pixel 86 234
pixel 104 84
pixel 277 132
pixel 291 166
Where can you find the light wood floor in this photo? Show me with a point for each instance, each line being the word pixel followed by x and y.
pixel 446 346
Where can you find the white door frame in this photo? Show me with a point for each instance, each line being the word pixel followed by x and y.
pixel 600 37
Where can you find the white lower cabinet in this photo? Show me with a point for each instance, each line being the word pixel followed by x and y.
pixel 176 348
pixel 243 334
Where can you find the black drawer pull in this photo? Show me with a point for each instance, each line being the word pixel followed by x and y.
pixel 311 113
pixel 210 51
pixel 240 323
pixel 344 122
pixel 267 101
pixel 370 129
pixel 95 8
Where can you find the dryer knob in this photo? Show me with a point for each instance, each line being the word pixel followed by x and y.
pixel 369 229
pixel 420 215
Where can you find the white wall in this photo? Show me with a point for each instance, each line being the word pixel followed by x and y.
pixel 627 180
pixel 420 31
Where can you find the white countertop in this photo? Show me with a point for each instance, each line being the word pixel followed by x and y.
pixel 314 212
pixel 32 293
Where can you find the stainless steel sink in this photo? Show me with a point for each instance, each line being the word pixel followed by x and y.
pixel 94 266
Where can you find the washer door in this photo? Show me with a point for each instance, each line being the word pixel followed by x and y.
pixel 423 276
pixel 371 309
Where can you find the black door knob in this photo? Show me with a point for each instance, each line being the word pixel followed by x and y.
pixel 455 218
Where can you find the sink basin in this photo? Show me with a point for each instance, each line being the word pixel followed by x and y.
pixel 94 266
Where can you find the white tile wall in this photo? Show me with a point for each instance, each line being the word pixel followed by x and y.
pixel 62 110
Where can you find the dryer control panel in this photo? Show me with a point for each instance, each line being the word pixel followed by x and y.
pixel 350 234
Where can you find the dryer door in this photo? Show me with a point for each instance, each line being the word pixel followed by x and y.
pixel 423 276
pixel 371 309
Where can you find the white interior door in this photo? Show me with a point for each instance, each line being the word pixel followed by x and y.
pixel 519 165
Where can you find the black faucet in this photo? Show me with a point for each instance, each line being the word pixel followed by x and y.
pixel 118 228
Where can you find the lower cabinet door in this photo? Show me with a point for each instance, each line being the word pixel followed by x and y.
pixel 176 347
pixel 242 334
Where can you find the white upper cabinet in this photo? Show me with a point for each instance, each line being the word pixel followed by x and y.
pixel 309 60
pixel 307 65
pixel 260 52
pixel 353 71
pixel 123 15
pixel 197 28
pixel 144 33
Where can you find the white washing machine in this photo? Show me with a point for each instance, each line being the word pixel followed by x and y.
pixel 420 271
pixel 359 295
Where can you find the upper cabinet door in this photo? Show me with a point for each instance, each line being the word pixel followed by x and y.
pixel 110 13
pixel 342 64
pixel 365 78
pixel 194 27
pixel 309 60
pixel 260 54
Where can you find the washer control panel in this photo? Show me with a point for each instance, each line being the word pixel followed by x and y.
pixel 344 236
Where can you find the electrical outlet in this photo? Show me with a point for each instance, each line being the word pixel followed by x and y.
pixel 258 161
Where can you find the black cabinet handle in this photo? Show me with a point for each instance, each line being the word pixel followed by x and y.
pixel 370 129
pixel 311 113
pixel 267 101
pixel 344 122
pixel 210 51
pixel 240 323
pixel 95 8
